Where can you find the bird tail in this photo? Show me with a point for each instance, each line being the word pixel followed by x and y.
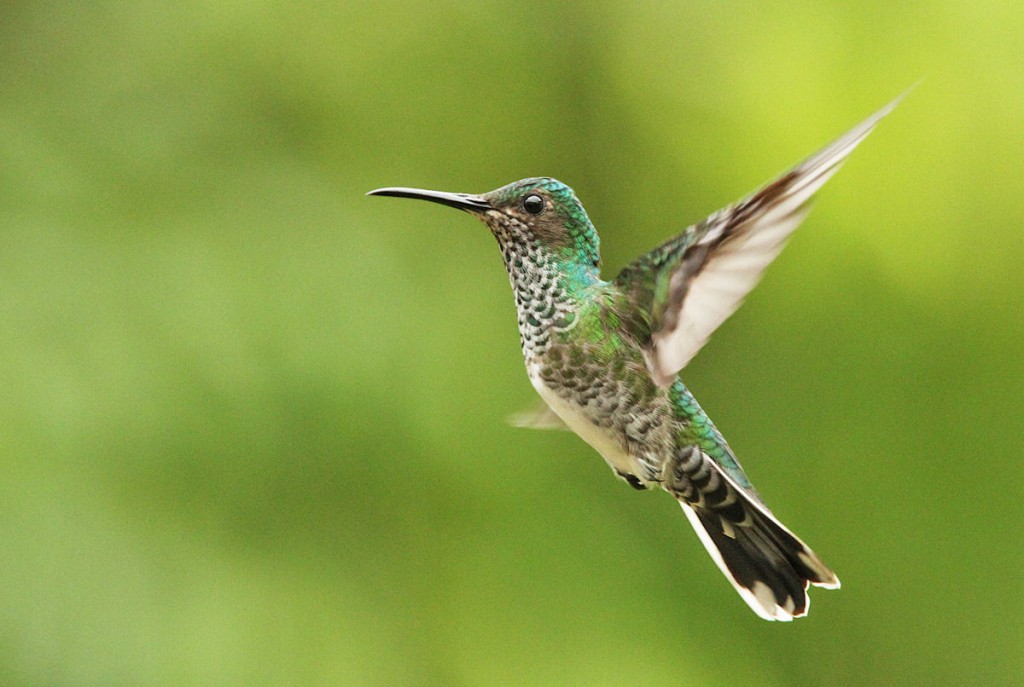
pixel 767 564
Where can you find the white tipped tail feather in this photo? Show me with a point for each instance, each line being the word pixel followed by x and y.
pixel 769 566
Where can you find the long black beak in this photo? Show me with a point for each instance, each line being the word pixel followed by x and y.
pixel 462 201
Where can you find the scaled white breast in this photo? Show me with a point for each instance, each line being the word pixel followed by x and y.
pixel 602 442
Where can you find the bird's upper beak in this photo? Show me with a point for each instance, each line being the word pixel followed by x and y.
pixel 462 201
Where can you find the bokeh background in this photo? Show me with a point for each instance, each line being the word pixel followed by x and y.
pixel 253 421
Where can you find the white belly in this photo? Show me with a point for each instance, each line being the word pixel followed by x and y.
pixel 601 441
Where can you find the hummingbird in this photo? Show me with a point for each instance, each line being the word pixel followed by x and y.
pixel 605 356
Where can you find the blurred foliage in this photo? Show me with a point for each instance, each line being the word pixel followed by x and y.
pixel 253 420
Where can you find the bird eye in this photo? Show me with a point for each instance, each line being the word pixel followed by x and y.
pixel 533 204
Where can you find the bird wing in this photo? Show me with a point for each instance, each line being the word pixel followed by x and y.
pixel 539 417
pixel 686 287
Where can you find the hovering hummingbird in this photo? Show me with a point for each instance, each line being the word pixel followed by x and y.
pixel 605 355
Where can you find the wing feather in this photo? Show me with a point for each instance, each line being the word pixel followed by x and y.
pixel 692 283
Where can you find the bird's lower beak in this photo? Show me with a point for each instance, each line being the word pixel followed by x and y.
pixel 462 201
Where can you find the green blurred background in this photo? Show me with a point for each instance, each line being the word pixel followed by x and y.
pixel 253 421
